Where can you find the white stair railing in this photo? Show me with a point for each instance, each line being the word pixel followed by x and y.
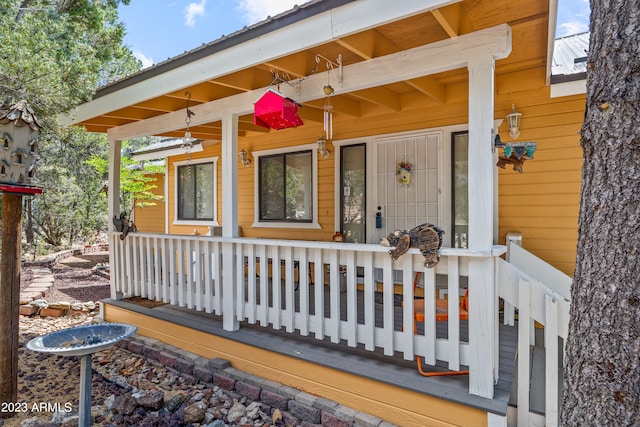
pixel 536 302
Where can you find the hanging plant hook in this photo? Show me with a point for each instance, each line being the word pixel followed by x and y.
pixel 187 141
pixel 189 112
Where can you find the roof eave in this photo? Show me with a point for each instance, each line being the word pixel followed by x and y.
pixel 324 21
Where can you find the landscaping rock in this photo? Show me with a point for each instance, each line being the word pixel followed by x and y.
pixel 193 414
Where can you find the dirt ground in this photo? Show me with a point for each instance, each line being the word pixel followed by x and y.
pixel 47 382
pixel 77 279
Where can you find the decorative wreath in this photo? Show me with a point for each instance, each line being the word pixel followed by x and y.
pixel 404 172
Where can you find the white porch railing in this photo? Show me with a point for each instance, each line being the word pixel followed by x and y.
pixel 546 303
pixel 187 271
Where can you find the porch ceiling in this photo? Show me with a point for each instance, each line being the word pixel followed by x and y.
pixel 529 22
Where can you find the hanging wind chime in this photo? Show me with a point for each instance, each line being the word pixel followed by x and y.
pixel 327 109
pixel 328 113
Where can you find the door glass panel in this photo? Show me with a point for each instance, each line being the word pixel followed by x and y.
pixel 460 186
pixel 352 193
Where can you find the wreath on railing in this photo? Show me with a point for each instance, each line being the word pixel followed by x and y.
pixel 404 173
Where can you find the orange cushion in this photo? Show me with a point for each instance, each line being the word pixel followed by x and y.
pixel 442 310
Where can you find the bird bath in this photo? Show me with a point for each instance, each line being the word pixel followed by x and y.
pixel 83 341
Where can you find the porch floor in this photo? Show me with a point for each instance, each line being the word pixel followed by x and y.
pixel 372 365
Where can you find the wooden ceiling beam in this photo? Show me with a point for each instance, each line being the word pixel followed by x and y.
pixel 454 20
pixel 131 113
pixel 295 66
pixel 311 114
pixel 107 121
pixel 429 86
pixel 368 44
pixel 162 104
pixel 341 104
pixel 250 127
pixel 245 80
pixel 449 18
pixel 204 92
pixel 380 96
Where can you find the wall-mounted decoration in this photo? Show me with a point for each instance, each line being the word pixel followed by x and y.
pixel 514 153
pixel 19 130
pixel 404 171
pixel 275 111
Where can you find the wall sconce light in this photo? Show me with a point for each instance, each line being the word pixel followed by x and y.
pixel 322 150
pixel 513 120
pixel 244 158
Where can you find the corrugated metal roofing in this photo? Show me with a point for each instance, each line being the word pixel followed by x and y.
pixel 570 55
pixel 163 145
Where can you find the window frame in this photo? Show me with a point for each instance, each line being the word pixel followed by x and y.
pixel 176 196
pixel 313 223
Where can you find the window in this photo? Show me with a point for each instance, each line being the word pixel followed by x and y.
pixel 353 193
pixel 286 187
pixel 460 185
pixel 286 182
pixel 196 191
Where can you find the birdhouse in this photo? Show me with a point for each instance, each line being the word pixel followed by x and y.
pixel 276 111
pixel 19 130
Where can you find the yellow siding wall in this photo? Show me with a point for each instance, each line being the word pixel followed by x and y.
pixel 541 203
pixel 151 219
pixel 397 405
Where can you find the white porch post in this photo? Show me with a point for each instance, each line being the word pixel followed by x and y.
pixel 229 219
pixel 113 207
pixel 482 289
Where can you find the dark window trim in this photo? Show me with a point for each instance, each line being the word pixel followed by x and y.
pixel 284 155
pixel 341 166
pixel 453 183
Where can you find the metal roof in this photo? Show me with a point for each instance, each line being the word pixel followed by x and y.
pixel 570 56
pixel 163 148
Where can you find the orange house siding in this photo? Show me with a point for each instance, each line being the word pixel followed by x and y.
pixel 151 219
pixel 541 203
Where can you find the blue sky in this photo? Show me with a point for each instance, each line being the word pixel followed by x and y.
pixel 161 29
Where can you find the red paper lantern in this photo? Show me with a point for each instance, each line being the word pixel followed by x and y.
pixel 275 111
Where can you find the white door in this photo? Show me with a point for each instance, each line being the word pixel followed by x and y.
pixel 404 205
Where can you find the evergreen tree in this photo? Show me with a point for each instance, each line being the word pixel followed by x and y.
pixel 55 54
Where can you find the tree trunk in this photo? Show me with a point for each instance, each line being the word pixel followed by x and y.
pixel 29 225
pixel 602 371
pixel 10 265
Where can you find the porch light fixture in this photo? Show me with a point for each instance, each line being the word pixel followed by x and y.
pixel 244 158
pixel 322 147
pixel 513 120
pixel 187 140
